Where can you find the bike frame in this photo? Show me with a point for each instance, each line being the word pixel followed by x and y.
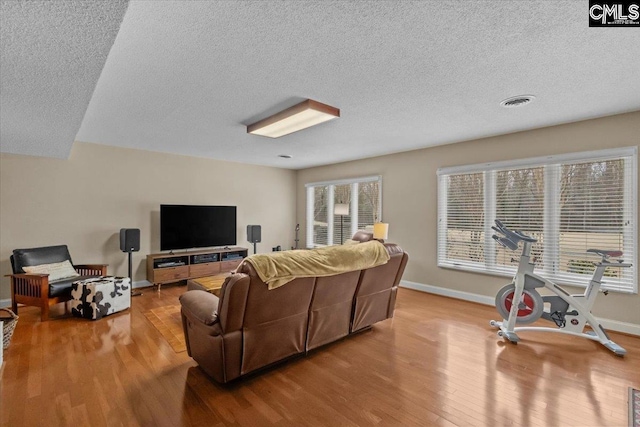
pixel 579 312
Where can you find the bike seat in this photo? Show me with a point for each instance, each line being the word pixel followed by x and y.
pixel 606 254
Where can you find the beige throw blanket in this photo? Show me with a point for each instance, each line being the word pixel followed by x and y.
pixel 279 268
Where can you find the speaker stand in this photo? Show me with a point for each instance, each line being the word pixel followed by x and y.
pixel 136 293
pixel 254 248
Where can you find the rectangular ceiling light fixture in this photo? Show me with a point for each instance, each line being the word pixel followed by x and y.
pixel 301 116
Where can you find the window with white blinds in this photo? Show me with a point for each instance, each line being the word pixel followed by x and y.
pixel 361 195
pixel 569 203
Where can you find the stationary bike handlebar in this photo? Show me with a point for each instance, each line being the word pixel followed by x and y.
pixel 510 238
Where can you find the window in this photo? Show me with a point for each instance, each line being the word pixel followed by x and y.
pixel 361 194
pixel 569 203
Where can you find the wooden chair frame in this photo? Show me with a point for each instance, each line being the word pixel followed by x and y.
pixel 33 289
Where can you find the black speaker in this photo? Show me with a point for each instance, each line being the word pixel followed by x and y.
pixel 254 233
pixel 129 239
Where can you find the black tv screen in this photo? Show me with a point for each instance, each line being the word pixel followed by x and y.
pixel 189 226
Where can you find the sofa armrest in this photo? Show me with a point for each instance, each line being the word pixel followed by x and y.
pixel 91 269
pixel 33 276
pixel 33 285
pixel 200 306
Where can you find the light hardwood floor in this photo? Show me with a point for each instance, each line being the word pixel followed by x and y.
pixel 437 362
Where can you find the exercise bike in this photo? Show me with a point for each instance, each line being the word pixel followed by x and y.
pixel 520 302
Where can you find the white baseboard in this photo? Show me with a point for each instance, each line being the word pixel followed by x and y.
pixel 5 302
pixel 445 292
pixel 141 284
pixel 614 325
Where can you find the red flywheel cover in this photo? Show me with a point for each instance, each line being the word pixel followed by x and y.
pixel 529 304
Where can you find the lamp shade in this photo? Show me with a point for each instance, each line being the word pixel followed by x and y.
pixel 341 209
pixel 380 230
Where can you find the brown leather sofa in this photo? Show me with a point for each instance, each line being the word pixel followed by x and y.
pixel 250 327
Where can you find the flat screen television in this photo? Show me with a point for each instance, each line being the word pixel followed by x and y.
pixel 190 226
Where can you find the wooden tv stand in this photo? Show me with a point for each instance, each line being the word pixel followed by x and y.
pixel 174 267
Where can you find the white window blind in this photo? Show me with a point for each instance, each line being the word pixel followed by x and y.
pixel 569 203
pixel 362 195
pixel 465 233
pixel 320 215
pixel 369 207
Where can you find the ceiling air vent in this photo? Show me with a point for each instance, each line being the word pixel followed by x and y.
pixel 517 101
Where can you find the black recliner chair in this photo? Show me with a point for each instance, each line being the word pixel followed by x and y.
pixel 36 289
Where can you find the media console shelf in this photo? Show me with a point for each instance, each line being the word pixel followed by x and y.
pixel 168 268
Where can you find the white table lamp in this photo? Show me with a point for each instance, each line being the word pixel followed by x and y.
pixel 380 231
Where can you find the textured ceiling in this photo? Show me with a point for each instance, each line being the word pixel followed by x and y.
pixel 187 76
pixel 52 54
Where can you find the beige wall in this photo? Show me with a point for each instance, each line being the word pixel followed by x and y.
pixel 409 195
pixel 85 200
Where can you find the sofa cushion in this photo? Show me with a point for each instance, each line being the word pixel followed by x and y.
pixel 362 236
pixel 56 270
pixel 39 256
pixel 62 287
